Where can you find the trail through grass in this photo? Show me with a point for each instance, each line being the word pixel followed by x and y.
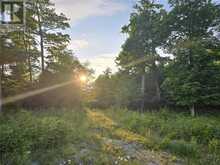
pixel 125 144
pixel 107 137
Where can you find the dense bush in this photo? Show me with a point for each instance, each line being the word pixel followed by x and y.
pixel 26 136
pixel 176 126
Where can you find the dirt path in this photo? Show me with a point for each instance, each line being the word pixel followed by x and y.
pixel 128 146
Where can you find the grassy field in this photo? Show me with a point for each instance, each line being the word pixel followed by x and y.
pixel 112 136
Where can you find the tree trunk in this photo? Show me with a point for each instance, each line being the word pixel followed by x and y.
pixel 156 73
pixel 1 89
pixel 192 110
pixel 142 91
pixel 41 37
pixel 158 94
pixel 28 54
pixel 1 79
pixel 29 63
pixel 42 50
pixel 0 95
pixel 30 69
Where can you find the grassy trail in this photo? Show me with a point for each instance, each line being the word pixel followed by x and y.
pixel 107 137
pixel 128 147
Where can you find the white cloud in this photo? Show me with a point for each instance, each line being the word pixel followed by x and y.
pixel 80 9
pixel 101 63
pixel 76 45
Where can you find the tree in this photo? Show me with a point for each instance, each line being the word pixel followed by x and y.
pixel 48 21
pixel 139 51
pixel 65 70
pixel 9 53
pixel 119 89
pixel 191 26
pixel 104 89
pixel 127 90
pixel 197 85
pixel 19 57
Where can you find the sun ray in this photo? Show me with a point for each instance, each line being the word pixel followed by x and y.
pixel 33 93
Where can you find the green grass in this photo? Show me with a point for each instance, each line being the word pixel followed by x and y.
pixel 197 140
pixel 51 136
pixel 27 137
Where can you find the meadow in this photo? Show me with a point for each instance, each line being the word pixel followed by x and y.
pixel 112 136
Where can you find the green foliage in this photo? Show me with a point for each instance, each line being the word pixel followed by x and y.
pixel 191 138
pixel 192 18
pixel 139 56
pixel 45 39
pixel 104 89
pixel 26 136
pixel 193 77
pixel 188 32
pixel 214 146
pixel 119 90
pixel 171 126
pixel 180 148
pixel 56 135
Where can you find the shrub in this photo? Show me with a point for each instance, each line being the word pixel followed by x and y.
pixel 214 146
pixel 25 135
pixel 191 138
pixel 181 148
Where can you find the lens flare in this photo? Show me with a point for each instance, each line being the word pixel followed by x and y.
pixel 83 78
pixel 33 93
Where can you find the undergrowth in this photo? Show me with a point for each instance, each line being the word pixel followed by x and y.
pixel 58 135
pixel 197 140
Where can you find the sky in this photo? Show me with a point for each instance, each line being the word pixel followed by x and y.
pixel 96 29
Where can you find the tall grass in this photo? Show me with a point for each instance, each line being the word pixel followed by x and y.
pixel 27 137
pixel 195 139
pixel 51 136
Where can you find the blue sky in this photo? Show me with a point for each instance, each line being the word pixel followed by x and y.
pixel 95 29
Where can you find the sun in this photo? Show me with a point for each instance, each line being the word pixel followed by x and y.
pixel 83 78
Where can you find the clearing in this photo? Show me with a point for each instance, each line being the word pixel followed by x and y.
pixel 113 136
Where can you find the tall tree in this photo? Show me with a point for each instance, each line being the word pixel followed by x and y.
pixel 19 55
pixel 139 51
pixel 30 41
pixel 48 21
pixel 191 27
pixel 9 54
